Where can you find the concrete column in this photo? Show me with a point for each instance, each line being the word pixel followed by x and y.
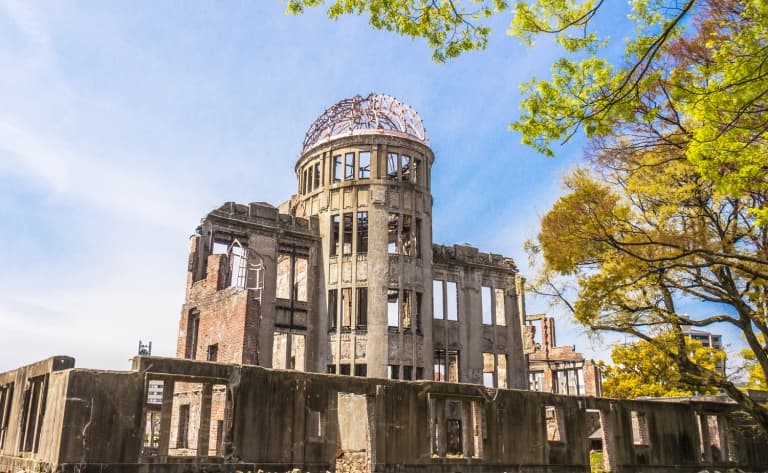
pixel 165 417
pixel 204 431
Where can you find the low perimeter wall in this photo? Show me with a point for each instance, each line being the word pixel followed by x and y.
pixel 171 415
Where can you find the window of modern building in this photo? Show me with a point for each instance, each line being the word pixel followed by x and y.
pixel 347 235
pixel 334 247
pixel 485 302
pixel 364 165
pixel 393 371
pixel 361 369
pixel 362 232
pixel 332 309
pixel 362 308
pixel 392 308
pixel 349 166
pixel 437 299
pixel 346 308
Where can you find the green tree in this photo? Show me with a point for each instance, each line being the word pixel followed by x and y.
pixel 639 369
pixel 708 58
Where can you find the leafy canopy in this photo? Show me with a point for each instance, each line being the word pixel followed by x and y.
pixel 640 369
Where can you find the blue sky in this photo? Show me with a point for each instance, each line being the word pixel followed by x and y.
pixel 121 124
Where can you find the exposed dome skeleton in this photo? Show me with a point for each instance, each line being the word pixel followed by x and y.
pixel 374 112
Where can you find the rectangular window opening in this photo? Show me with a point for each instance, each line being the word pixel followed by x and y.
pixel 501 371
pixel 408 372
pixel 452 301
pixel 362 232
pixel 361 369
pixel 182 432
pixel 405 311
pixel 346 308
pixel 362 308
pixel 318 176
pixel 332 312
pixel 335 220
pixel 485 302
pixel 553 424
pixel 392 308
pixel 488 370
pixel 347 235
pixel 639 428
pixel 392 165
pixel 393 372
pixel 364 165
pixel 193 326
pixel 344 369
pixel 349 166
pixel 437 299
pixel 393 223
pixel 213 352
pixel 501 318
pixel 337 168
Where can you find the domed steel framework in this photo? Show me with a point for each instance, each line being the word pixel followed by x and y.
pixel 374 112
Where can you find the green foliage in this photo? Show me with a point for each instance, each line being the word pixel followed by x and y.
pixel 597 462
pixel 450 27
pixel 641 369
pixel 707 58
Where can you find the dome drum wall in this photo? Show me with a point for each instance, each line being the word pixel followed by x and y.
pixel 371 195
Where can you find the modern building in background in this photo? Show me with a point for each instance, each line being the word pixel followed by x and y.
pixel 708 340
pixel 560 370
pixel 344 277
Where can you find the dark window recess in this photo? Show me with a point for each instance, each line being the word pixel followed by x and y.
pixel 419 372
pixel 331 369
pixel 182 433
pixel 219 438
pixel 392 164
pixel 6 396
pixel 362 232
pixel 344 369
pixel 347 242
pixel 317 176
pixel 418 312
pixel 361 370
pixel 32 413
pixel 453 437
pixel 362 308
pixel 332 309
pixel 193 326
pixel 408 372
pixel 334 235
pixel 213 352
pixel 393 371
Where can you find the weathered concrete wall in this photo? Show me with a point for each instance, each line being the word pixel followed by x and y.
pixel 282 420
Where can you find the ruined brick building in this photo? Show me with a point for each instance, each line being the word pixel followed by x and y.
pixel 344 277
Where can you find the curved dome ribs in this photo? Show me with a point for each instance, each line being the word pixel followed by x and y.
pixel 374 112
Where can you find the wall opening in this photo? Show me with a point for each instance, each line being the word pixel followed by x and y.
pixel 639 428
pixel 353 442
pixel 6 399
pixel 33 411
pixel 554 423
